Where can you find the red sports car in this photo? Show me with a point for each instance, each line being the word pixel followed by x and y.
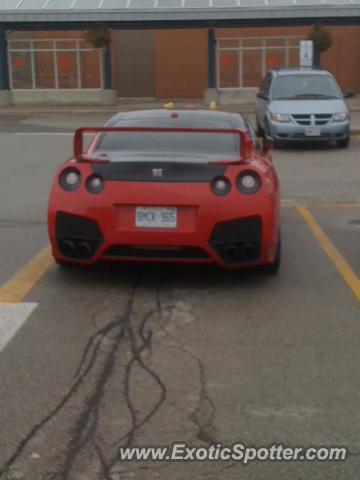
pixel 167 186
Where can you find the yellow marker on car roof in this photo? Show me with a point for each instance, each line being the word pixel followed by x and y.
pixel 213 106
pixel 169 106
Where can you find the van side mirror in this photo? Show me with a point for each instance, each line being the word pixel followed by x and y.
pixel 349 94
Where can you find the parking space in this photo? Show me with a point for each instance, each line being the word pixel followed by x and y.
pixel 342 225
pixel 150 355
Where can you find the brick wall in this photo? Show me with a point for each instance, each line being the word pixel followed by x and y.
pixel 180 63
pixel 181 57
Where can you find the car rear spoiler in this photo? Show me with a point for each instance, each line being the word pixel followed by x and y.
pixel 80 156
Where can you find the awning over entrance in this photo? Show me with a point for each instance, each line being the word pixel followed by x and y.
pixel 192 12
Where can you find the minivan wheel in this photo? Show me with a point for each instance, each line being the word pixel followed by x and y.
pixel 343 143
pixel 275 143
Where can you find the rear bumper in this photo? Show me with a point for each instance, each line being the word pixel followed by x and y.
pixel 231 242
pixel 206 223
pixel 292 132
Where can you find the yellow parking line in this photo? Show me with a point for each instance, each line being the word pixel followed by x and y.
pixel 334 205
pixel 289 204
pixel 342 266
pixel 16 289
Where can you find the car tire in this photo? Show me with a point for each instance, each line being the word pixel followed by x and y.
pixel 275 143
pixel 63 264
pixel 343 143
pixel 273 268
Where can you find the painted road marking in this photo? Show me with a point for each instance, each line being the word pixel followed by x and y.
pixel 32 134
pixel 16 289
pixel 290 203
pixel 12 318
pixel 50 134
pixel 333 205
pixel 342 266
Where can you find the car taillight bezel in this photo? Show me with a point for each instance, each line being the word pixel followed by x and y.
pixel 220 192
pixel 69 187
pixel 246 190
pixel 90 188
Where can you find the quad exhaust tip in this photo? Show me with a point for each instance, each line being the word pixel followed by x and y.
pixel 67 248
pixel 79 250
pixel 249 251
pixel 84 250
pixel 241 253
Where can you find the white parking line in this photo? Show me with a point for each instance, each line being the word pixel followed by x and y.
pixel 12 318
pixel 43 134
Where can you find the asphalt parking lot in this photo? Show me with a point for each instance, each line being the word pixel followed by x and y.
pixel 145 355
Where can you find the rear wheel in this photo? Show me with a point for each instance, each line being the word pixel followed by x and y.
pixel 343 143
pixel 273 268
pixel 64 264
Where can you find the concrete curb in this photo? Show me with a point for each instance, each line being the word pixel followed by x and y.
pixel 120 108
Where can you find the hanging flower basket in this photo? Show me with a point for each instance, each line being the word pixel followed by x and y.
pixel 322 38
pixel 98 37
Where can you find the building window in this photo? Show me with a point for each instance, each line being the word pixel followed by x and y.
pixel 243 62
pixel 54 64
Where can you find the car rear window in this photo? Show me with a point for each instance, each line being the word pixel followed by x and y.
pixel 298 87
pixel 202 147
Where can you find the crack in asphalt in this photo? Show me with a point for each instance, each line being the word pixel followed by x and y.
pixel 137 359
pixel 80 377
pixel 204 414
pixel 89 417
pixel 121 332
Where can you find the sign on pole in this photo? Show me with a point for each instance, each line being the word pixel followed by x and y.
pixel 306 53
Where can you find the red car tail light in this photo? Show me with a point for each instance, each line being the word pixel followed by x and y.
pixel 221 186
pixel 248 183
pixel 95 184
pixel 70 179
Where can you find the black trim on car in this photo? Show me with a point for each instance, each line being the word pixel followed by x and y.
pixel 175 172
pixel 163 253
pixel 238 241
pixel 77 237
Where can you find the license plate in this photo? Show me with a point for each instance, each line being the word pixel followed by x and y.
pixel 313 132
pixel 156 217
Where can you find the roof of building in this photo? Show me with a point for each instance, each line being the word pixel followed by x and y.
pixel 163 11
pixel 162 4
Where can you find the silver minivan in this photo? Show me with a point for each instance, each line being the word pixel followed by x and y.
pixel 302 105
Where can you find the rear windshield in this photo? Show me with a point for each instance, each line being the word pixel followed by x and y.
pixel 298 87
pixel 165 146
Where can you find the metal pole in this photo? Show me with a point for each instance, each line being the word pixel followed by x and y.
pixel 211 58
pixel 107 68
pixel 4 64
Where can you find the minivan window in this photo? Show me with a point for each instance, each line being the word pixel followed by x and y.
pixel 300 87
